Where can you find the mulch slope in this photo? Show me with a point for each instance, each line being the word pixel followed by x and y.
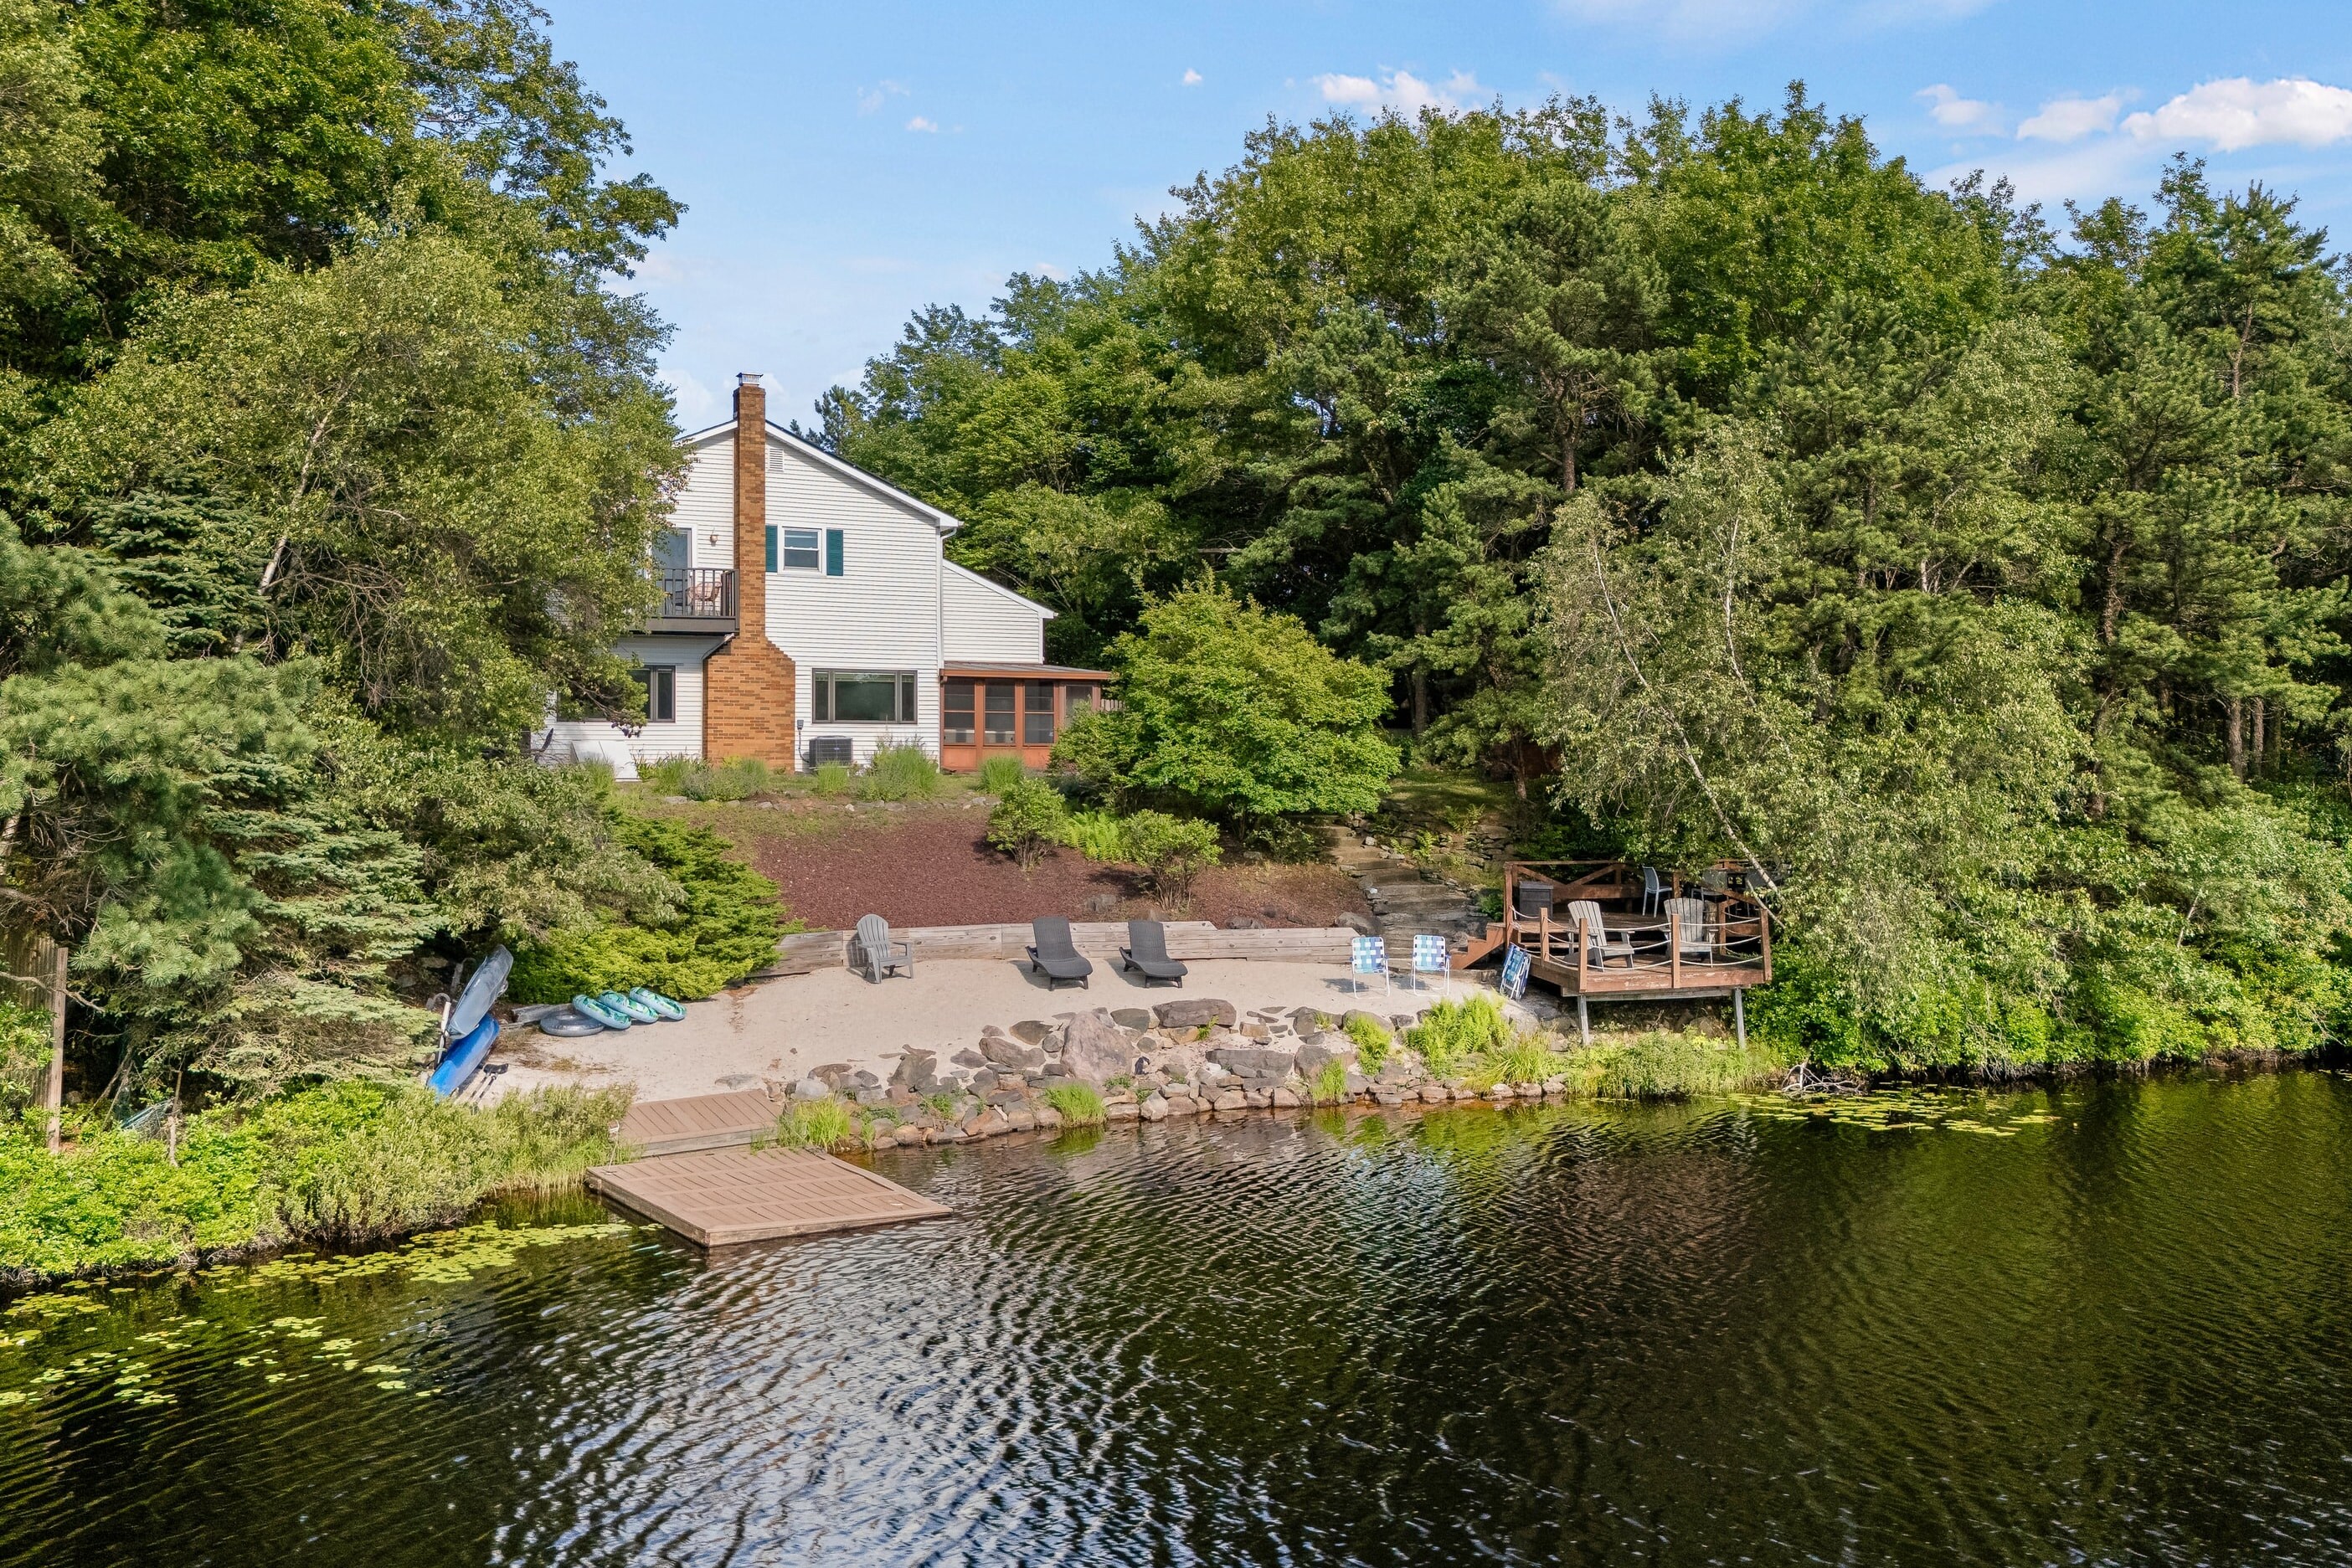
pixel 931 866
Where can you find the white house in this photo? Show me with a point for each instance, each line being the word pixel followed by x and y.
pixel 809 613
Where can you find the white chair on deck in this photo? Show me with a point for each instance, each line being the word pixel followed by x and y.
pixel 1598 940
pixel 1691 917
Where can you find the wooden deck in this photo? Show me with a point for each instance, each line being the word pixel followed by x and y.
pixel 697 1121
pixel 1688 939
pixel 721 1197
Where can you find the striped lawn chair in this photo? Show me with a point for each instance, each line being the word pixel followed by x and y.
pixel 1430 957
pixel 1368 956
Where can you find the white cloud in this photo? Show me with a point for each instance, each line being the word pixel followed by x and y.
pixel 2071 118
pixel 2239 111
pixel 1403 91
pixel 919 123
pixel 1953 112
pixel 870 98
pixel 1191 79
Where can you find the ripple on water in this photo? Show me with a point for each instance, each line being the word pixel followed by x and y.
pixel 2104 1326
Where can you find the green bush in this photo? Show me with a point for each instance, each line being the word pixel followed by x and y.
pixel 1330 1085
pixel 697 779
pixel 1097 835
pixel 998 774
pixel 833 778
pixel 901 773
pixel 1451 1033
pixel 1372 1041
pixel 726 929
pixel 347 1162
pixel 813 1124
pixel 1079 1104
pixel 1027 820
pixel 1659 1065
pixel 1172 851
pixel 23 1053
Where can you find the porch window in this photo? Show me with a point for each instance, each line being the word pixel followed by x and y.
pixel 1037 715
pixel 659 683
pixel 862 696
pixel 958 713
pixel 998 714
pixel 1077 699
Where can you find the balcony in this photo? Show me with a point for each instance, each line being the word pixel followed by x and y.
pixel 696 599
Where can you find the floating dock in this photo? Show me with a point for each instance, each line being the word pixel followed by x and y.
pixel 718 1197
pixel 697 1121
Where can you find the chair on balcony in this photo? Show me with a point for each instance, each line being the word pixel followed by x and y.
pixel 876 954
pixel 1691 917
pixel 1598 940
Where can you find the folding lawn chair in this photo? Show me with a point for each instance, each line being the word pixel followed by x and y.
pixel 1368 956
pixel 1430 957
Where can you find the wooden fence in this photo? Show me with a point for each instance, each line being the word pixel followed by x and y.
pixel 1192 939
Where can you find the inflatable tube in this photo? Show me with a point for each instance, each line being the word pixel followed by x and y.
pixel 463 1056
pixel 637 1011
pixel 660 1005
pixel 610 1016
pixel 568 1023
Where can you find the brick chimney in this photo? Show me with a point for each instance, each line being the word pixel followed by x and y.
pixel 749 687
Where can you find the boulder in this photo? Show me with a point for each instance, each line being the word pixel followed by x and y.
pixel 917 1071
pixel 1136 1018
pixel 1031 1032
pixel 1389 1096
pixel 1359 923
pixel 1257 1099
pixel 865 1080
pixel 811 1088
pixel 1231 1100
pixel 1254 1030
pixel 1287 1100
pixel 1022 1120
pixel 1357 1083
pixel 1128 1111
pixel 1094 1048
pixel 968 1057
pixel 1434 1095
pixel 1309 1020
pixel 834 1075
pixel 1153 1110
pixel 1255 1059
pixel 1320 1050
pixel 1007 1054
pixel 1192 1013
pixel 1374 1020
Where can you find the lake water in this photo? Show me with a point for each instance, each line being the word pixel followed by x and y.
pixel 2106 1324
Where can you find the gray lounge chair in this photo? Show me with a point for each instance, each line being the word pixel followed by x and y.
pixel 1056 957
pixel 1147 954
pixel 875 953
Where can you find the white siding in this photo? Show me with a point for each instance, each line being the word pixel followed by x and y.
pixel 989 624
pixel 582 739
pixel 706 503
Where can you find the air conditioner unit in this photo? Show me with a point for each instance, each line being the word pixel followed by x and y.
pixel 830 748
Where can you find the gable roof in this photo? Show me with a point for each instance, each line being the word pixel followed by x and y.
pixel 778 436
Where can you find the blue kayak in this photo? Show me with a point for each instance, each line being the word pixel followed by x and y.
pixel 463 1056
pixel 657 1003
pixel 601 1011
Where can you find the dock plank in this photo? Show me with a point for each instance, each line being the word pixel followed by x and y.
pixel 719 1197
pixel 697 1121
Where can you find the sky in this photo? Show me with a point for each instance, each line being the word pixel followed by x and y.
pixel 844 166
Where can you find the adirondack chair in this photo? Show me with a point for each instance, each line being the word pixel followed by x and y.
pixel 1598 940
pixel 1368 956
pixel 1147 954
pixel 875 952
pixel 1054 955
pixel 1690 915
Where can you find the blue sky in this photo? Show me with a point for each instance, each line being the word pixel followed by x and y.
pixel 845 164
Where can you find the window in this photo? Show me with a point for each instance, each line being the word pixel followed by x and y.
pixel 792 549
pixel 958 710
pixel 1037 715
pixel 863 696
pixel 997 715
pixel 833 552
pixel 659 683
pixel 673 549
pixel 1078 699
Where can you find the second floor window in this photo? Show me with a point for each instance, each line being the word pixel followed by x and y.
pixel 792 550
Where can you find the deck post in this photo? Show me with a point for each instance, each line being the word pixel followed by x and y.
pixel 1582 946
pixel 1674 947
pixel 1583 1018
pixel 1764 920
pixel 1543 930
pixel 1740 1016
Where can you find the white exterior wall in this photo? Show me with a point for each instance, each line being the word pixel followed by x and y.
pixel 990 624
pixel 583 739
pixel 706 503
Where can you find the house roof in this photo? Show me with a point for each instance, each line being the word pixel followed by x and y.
pixel 778 434
pixel 1027 671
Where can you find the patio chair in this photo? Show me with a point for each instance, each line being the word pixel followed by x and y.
pixel 1056 957
pixel 1691 916
pixel 1368 956
pixel 1430 957
pixel 876 954
pixel 1147 954
pixel 1598 940
pixel 1652 889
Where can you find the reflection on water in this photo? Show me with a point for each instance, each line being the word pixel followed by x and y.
pixel 2104 1326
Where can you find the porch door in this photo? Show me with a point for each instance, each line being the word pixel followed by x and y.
pixel 1000 717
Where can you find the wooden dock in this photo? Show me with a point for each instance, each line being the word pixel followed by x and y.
pixel 697 1121
pixel 721 1197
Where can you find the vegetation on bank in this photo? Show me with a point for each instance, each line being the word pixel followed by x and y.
pixel 1474 1042
pixel 336 1164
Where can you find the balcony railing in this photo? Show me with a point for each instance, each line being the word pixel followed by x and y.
pixel 695 593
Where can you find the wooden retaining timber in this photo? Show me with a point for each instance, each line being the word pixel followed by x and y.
pixel 809 951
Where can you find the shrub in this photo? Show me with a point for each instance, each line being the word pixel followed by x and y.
pixel 1372 1041
pixel 1526 1060
pixel 23 1053
pixel 1097 835
pixel 1079 1104
pixel 1451 1033
pixel 901 773
pixel 1668 1066
pixel 833 778
pixel 1172 851
pixel 697 779
pixel 1027 820
pixel 813 1124
pixel 725 927
pixel 998 774
pixel 1330 1085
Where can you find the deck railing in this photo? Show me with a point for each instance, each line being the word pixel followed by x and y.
pixel 1732 943
pixel 697 592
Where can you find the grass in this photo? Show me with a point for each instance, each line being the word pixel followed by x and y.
pixel 832 778
pixel 1451 1033
pixel 998 774
pixel 1097 835
pixel 1372 1041
pixel 1080 1106
pixel 902 773
pixel 813 1124
pixel 1474 1042
pixel 1330 1085
pixel 343 1163
pixel 699 780
pixel 1659 1065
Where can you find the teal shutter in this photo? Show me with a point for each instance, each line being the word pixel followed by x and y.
pixel 771 546
pixel 833 552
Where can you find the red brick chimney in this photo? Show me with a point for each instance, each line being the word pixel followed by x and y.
pixel 749 685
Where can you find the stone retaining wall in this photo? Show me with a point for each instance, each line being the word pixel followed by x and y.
pixel 809 951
